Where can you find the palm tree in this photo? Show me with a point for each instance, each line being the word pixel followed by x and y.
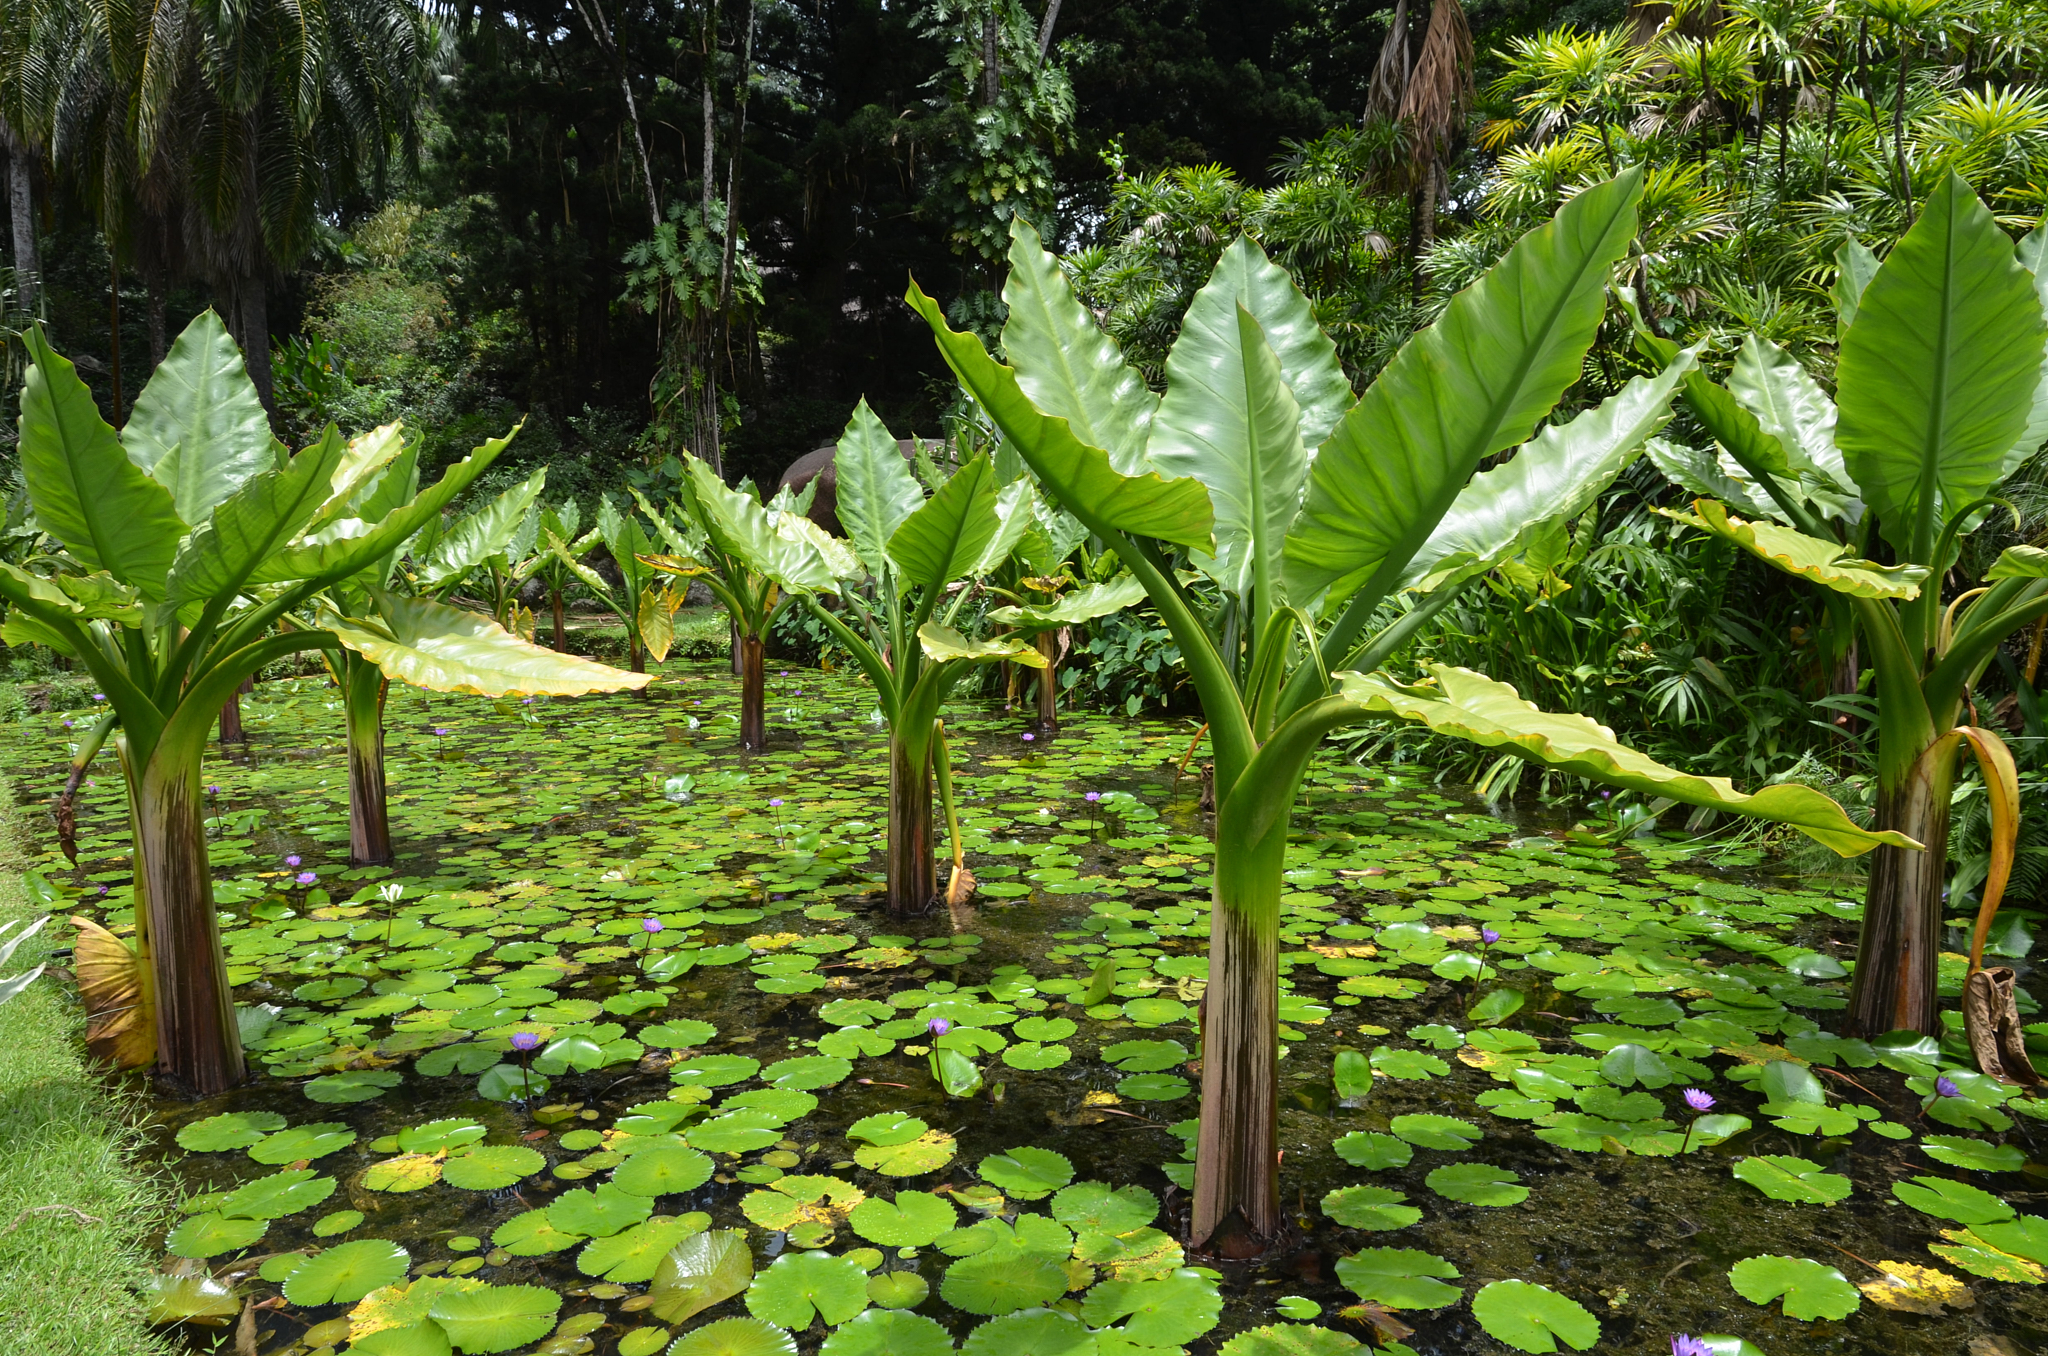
pixel 1430 92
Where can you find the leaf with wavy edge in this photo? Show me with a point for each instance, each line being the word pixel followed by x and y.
pixel 876 490
pixel 1473 384
pixel 1016 513
pixel 1826 563
pixel 446 649
pixel 768 542
pixel 2019 562
pixel 247 527
pixel 1556 475
pixel 359 472
pixel 1706 475
pixel 198 427
pixel 942 643
pixel 1083 604
pixel 944 538
pixel 1472 706
pixel 488 531
pixel 1790 406
pixel 1081 477
pixel 1066 365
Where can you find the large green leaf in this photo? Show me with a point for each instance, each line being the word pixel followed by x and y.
pixel 737 525
pixel 1229 421
pixel 86 492
pixel 359 474
pixel 1789 405
pixel 1472 706
pixel 477 536
pixel 2033 256
pixel 875 487
pixel 199 428
pixel 699 1272
pixel 1855 266
pixel 1556 475
pixel 943 539
pixel 446 649
pixel 1936 377
pixel 349 545
pixel 1065 364
pixel 942 643
pixel 1826 563
pixel 1080 476
pixel 1083 604
pixel 1711 476
pixel 1472 384
pixel 88 596
pixel 251 524
pixel 1016 513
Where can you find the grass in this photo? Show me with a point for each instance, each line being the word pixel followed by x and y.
pixel 68 1275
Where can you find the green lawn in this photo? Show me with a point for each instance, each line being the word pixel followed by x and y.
pixel 67 1274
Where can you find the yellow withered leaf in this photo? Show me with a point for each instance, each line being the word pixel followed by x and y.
pixel 114 984
pixel 1916 1290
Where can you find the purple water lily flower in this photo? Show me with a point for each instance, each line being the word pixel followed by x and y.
pixel 1945 1086
pixel 650 925
pixel 1489 936
pixel 939 1026
pixel 305 878
pixel 523 1041
pixel 1684 1344
pixel 1698 1100
pixel 775 804
pixel 292 860
pixel 99 696
pixel 440 730
pixel 1029 737
pixel 1094 795
pixel 67 724
pixel 212 790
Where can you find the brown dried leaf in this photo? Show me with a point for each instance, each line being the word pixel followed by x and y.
pixel 114 984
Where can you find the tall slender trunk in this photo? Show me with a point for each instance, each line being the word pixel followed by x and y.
pixel 159 343
pixel 1899 950
pixel 991 59
pixel 21 204
pixel 231 731
pixel 561 643
pixel 913 874
pixel 255 305
pixel 369 816
pixel 198 1045
pixel 114 330
pixel 1899 132
pixel 1421 228
pixel 753 695
pixel 1237 1179
pixel 1048 643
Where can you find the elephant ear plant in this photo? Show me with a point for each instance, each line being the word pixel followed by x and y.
pixel 188 538
pixel 914 550
pixel 1941 393
pixel 714 535
pixel 1310 550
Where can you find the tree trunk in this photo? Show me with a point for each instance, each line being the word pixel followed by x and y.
pixel 735 648
pixel 1237 1182
pixel 753 696
pixel 255 305
pixel 1421 228
pixel 21 201
pixel 369 818
pixel 114 332
pixel 1048 643
pixel 561 643
pixel 1900 947
pixel 158 302
pixel 198 1045
pixel 913 874
pixel 231 731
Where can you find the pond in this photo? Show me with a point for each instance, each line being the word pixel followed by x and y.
pixel 734 1134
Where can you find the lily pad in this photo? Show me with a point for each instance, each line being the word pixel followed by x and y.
pixel 1534 1318
pixel 700 1271
pixel 912 1219
pixel 1034 1058
pixel 1027 1173
pixel 1003 1280
pixel 1146 1056
pixel 804 1285
pixel 1154 1087
pixel 677 1033
pixel 634 1255
pixel 489 1167
pixel 406 1172
pixel 1035 1332
pixel 302 1142
pixel 735 1337
pixel 1958 1201
pixel 929 1152
pixel 737 1131
pixel 1436 1132
pixel 806 1072
pixel 1810 1289
pixel 1164 1313
pixel 714 1071
pixel 888 1332
pixel 532 1234
pixel 598 1211
pixel 887 1128
pixel 1477 1184
pixel 1959 1151
pixel 1094 1207
pixel 230 1130
pixel 1370 1207
pixel 496 1317
pixel 346 1272
pixel 663 1170
pixel 338 1222
pixel 1399 1278
pixel 279 1194
pixel 897 1290
pixel 1374 1151
pixel 1293 1339
pixel 451 1133
pixel 1793 1179
pixel 210 1233
pixel 354 1085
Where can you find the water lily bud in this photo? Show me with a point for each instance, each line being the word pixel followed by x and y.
pixel 939 1026
pixel 524 1040
pixel 1489 936
pixel 1945 1086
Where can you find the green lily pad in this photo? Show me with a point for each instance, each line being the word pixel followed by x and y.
pixel 1094 1207
pixel 887 1128
pixel 1411 1065
pixel 338 1222
pixel 533 1234
pixel 1810 1289
pixel 714 1071
pixel 1156 1011
pixel 1044 1030
pixel 306 1142
pixel 1370 1207
pixel 1036 1332
pixel 677 1034
pixel 346 1272
pixel 451 1133
pixel 929 1152
pixel 1154 1087
pixel 488 1167
pixel 1477 1184
pixel 912 1220
pixel 806 1072
pixel 1033 1058
pixel 598 1211
pixel 1027 1173
pixel 354 1085
pixel 1959 1151
pixel 230 1130
pixel 662 1170
pixel 633 1255
pixel 406 1172
pixel 737 1132
pixel 1003 1280
pixel 1166 1312
pixel 1436 1132
pixel 210 1233
pixel 279 1194
pixel 1399 1278
pixel 1534 1318
pixel 1958 1201
pixel 497 1317
pixel 2025 1237
pixel 702 1270
pixel 888 1332
pixel 897 1290
pixel 804 1285
pixel 1377 1152
pixel 1793 1179
pixel 735 1337
pixel 1293 1339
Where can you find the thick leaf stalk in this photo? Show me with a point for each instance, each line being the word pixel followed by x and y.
pixel 912 870
pixel 1898 955
pixel 369 818
pixel 753 665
